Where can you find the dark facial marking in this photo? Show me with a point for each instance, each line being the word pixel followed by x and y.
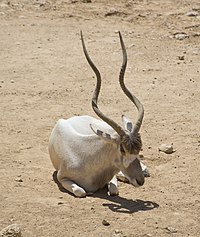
pixel 132 143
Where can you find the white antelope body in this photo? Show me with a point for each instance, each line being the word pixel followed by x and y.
pixel 88 152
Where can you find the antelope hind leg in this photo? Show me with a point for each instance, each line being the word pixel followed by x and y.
pixel 73 187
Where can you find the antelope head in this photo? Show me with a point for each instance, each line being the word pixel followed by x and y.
pixel 127 138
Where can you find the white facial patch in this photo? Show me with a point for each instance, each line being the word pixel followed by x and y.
pixel 128 159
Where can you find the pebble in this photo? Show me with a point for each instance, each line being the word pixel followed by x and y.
pixel 118 231
pixel 114 12
pixel 60 203
pixel 131 45
pixel 192 13
pixel 180 36
pixel 171 230
pixel 181 57
pixel 11 231
pixel 20 180
pixel 105 223
pixel 168 149
pixel 86 1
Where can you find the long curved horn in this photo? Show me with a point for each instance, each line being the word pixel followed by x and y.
pixel 133 98
pixel 114 125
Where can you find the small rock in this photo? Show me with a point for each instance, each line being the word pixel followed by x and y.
pixel 180 36
pixel 105 223
pixel 131 45
pixel 118 231
pixel 115 12
pixel 192 13
pixel 11 231
pixel 86 1
pixel 19 180
pixel 60 203
pixel 168 149
pixel 171 230
pixel 181 57
pixel 12 81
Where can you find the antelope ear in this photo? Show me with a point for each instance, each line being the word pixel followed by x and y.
pixel 106 136
pixel 127 124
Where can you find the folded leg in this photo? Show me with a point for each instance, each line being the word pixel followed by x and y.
pixel 72 187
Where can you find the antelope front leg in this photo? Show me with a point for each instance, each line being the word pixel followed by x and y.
pixel 145 170
pixel 112 187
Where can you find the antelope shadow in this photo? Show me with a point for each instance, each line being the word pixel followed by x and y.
pixel 117 203
pixel 123 205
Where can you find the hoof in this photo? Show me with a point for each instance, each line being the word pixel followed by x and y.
pixel 79 192
pixel 112 190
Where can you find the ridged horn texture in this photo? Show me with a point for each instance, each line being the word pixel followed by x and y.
pixel 109 121
pixel 127 92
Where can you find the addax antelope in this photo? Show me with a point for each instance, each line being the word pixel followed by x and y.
pixel 88 153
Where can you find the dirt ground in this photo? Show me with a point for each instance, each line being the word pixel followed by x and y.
pixel 44 76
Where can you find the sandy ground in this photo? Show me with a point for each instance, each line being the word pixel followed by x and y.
pixel 44 77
